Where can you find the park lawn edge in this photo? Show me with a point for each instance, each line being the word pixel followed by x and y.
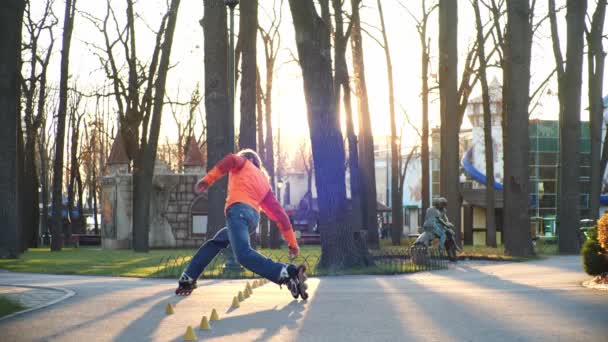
pixel 9 306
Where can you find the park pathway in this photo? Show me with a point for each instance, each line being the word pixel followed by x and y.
pixel 472 301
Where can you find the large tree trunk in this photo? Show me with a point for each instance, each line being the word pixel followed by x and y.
pixel 216 104
pixel 11 15
pixel 516 229
pixel 568 214
pixel 342 81
pixel 248 37
pixel 366 140
pixel 142 178
pixel 595 64
pixel 396 201
pixel 487 128
pixel 56 228
pixel 338 246
pixel 450 127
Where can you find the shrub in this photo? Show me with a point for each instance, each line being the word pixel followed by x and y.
pixel 594 262
pixel 602 232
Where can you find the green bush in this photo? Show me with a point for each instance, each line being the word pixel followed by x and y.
pixel 594 262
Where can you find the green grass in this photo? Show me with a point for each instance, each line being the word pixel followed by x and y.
pixel 8 306
pixel 126 263
pixel 94 261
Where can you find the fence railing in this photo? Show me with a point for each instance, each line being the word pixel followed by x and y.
pixel 392 260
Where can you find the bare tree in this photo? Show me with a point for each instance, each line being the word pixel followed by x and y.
pixel 220 132
pixel 449 103
pixel 396 202
pixel 342 82
pixel 366 139
pixel 10 64
pixel 425 44
pixel 569 83
pixel 271 39
pixel 76 116
pixel 518 45
pixel 248 36
pixel 487 125
pixel 68 27
pixel 34 94
pixel 595 64
pixel 139 96
pixel 339 247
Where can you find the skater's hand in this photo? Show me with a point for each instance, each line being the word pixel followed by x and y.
pixel 200 186
pixel 294 252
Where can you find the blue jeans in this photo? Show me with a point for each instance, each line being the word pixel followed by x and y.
pixel 241 220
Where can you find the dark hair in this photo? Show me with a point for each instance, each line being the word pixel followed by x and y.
pixel 254 158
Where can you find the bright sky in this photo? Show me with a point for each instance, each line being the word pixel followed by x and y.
pixel 288 95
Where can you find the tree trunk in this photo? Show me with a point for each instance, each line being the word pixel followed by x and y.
pixel 568 215
pixel 31 212
pixel 56 228
pixel 216 104
pixel 44 181
pixel 595 64
pixel 396 202
pixel 342 80
pixel 248 36
pixel 338 246
pixel 487 127
pixel 142 178
pixel 11 15
pixel 448 93
pixel 425 153
pixel 73 225
pixel 516 229
pixel 366 140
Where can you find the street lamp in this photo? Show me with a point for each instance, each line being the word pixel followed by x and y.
pixel 231 266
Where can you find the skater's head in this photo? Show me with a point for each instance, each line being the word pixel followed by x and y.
pixel 440 202
pixel 254 158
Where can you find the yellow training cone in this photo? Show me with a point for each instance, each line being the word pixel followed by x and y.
pixel 169 309
pixel 190 336
pixel 205 324
pixel 235 302
pixel 246 293
pixel 248 287
pixel 214 316
pixel 255 284
pixel 241 298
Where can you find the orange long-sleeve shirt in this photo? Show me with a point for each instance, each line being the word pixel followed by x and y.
pixel 249 185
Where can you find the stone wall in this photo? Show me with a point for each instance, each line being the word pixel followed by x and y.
pixel 170 211
pixel 178 212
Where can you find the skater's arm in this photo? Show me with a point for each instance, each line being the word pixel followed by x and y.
pixel 230 162
pixel 275 212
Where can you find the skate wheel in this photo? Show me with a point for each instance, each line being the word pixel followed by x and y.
pixel 304 295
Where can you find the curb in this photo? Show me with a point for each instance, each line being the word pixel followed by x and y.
pixel 67 294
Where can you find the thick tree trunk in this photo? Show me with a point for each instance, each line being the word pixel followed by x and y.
pixel 57 226
pixel 516 229
pixel 487 128
pixel 216 104
pixel 568 214
pixel 142 178
pixel 11 14
pixel 339 248
pixel 450 127
pixel 366 140
pixel 595 64
pixel 248 37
